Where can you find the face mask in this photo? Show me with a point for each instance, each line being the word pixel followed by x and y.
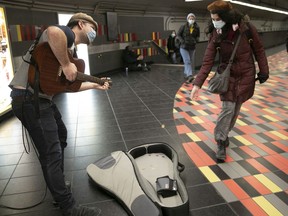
pixel 218 24
pixel 173 34
pixel 91 35
pixel 191 22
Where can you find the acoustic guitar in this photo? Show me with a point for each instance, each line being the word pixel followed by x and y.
pixel 51 77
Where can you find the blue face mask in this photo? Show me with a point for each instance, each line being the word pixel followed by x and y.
pixel 91 36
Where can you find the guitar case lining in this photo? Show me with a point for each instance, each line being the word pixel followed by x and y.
pixel 145 180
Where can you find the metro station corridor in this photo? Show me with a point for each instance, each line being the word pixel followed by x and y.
pixel 154 106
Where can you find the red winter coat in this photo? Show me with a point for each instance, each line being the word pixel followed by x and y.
pixel 243 72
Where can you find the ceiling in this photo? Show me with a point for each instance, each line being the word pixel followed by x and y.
pixel 164 7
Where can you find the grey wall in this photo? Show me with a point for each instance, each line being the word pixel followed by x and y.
pixel 142 26
pixel 107 60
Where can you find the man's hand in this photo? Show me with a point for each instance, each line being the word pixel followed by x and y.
pixel 194 93
pixel 91 85
pixel 107 83
pixel 70 71
pixel 105 86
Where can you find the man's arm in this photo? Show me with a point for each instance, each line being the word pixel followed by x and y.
pixel 89 85
pixel 58 43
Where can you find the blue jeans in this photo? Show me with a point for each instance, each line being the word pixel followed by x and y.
pixel 49 135
pixel 188 59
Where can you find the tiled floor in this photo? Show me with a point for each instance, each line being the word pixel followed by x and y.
pixel 151 107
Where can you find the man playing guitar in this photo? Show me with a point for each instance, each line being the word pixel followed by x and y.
pixel 43 121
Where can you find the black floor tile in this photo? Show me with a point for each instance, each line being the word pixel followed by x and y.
pixel 27 169
pixel 6 171
pixel 203 195
pixel 146 133
pixel 240 209
pixel 24 185
pixel 82 162
pixel 109 207
pixel 3 184
pixel 98 139
pixel 193 177
pixel 218 210
pixel 140 126
pixel 283 196
pixel 132 143
pixel 98 149
pixel 252 192
pixel 219 172
pixel 10 159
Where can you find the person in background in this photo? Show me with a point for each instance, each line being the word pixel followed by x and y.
pixel 172 49
pixel 133 61
pixel 188 35
pixel 223 29
pixel 46 128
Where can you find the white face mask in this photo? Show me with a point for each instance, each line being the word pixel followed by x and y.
pixel 173 34
pixel 91 36
pixel 191 21
pixel 218 24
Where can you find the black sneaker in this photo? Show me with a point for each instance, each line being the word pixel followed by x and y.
pixel 83 211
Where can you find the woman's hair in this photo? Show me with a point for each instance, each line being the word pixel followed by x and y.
pixel 229 17
pixel 226 13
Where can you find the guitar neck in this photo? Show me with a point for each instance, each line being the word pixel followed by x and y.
pixel 84 77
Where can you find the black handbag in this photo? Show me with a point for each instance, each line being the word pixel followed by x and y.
pixel 219 83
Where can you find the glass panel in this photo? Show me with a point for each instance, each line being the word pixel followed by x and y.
pixel 6 72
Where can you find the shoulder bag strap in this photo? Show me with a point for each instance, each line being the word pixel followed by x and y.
pixel 235 48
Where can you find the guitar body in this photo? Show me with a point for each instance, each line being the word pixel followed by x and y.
pixel 51 78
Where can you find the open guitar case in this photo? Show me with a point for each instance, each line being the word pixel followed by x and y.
pixel 145 180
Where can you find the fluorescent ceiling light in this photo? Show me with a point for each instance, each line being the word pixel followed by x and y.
pixel 252 6
pixel 259 7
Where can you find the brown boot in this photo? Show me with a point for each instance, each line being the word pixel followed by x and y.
pixel 221 151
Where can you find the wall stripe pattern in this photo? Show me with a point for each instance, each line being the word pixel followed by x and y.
pixel 19 33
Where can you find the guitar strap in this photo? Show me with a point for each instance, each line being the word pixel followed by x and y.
pixel 36 91
pixel 36 77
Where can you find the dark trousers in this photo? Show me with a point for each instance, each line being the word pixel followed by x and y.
pixel 226 119
pixel 49 135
